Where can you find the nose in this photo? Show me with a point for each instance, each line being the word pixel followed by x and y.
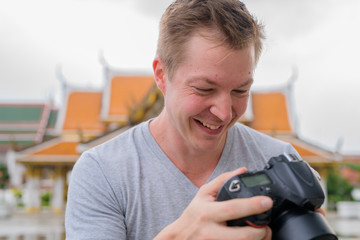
pixel 222 107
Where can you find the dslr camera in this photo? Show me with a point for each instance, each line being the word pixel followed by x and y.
pixel 296 192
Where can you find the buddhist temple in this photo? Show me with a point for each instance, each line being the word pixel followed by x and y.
pixel 47 141
pixel 25 124
pixel 273 113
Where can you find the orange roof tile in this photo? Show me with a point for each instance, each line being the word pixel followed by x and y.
pixel 83 111
pixel 305 152
pixel 270 112
pixel 61 148
pixel 127 91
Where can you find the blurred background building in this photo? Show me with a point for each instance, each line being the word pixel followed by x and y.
pixel 40 143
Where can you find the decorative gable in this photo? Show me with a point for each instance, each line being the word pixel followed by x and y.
pixel 124 92
pixel 83 112
pixel 80 114
pixel 270 112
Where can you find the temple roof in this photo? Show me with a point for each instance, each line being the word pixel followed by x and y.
pixel 82 113
pixel 25 124
pixel 124 92
pixel 270 112
pixel 90 117
pixel 88 114
pixel 53 152
pixel 78 120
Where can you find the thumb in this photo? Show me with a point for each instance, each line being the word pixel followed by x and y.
pixel 212 188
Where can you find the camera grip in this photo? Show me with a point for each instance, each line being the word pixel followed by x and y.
pixel 232 186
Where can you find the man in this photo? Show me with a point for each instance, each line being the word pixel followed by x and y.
pixel 160 179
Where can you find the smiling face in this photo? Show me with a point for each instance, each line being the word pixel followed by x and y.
pixel 207 94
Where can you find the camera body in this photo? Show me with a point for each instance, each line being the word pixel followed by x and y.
pixel 296 192
pixel 286 179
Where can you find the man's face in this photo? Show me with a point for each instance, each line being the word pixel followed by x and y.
pixel 208 93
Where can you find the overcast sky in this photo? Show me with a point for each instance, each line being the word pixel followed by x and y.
pixel 319 37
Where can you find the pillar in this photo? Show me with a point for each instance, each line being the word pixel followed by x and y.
pixel 31 195
pixel 57 200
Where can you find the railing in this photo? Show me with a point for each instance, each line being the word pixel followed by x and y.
pixel 41 226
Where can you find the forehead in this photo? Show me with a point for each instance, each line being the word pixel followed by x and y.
pixel 209 59
pixel 207 39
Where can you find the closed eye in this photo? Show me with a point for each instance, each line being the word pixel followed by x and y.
pixel 203 90
pixel 241 92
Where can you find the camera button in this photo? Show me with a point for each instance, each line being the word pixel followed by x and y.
pixel 268 166
pixel 265 189
pixel 234 186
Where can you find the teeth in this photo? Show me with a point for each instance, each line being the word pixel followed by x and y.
pixel 212 127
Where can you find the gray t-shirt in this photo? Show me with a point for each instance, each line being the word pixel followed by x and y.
pixel 127 188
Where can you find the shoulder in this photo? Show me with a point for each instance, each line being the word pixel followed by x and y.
pixel 244 131
pixel 124 141
pixel 259 142
pixel 114 153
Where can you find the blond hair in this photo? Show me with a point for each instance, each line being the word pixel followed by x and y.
pixel 237 28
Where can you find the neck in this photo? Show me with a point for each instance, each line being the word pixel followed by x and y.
pixel 197 165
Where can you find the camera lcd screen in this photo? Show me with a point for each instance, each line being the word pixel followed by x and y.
pixel 256 180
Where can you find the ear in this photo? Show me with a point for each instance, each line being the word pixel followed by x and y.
pixel 159 74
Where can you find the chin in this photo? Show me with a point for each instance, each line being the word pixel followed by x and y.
pixel 208 146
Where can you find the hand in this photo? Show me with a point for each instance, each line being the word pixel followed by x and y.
pixel 205 218
pixel 321 211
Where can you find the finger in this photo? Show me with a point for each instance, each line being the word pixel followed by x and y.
pixel 212 188
pixel 268 235
pixel 321 211
pixel 240 207
pixel 247 232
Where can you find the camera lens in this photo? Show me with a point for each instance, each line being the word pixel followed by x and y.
pixel 301 224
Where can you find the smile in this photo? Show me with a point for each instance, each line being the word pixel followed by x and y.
pixel 212 127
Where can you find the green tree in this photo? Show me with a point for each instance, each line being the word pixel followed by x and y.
pixel 339 189
pixel 4 176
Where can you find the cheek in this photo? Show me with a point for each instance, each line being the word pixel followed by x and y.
pixel 193 104
pixel 240 106
pixel 183 103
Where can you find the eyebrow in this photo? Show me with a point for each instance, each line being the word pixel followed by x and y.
pixel 250 81
pixel 247 83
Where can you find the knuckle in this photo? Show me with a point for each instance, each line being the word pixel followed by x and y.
pixel 203 216
pixel 252 233
pixel 205 234
pixel 230 209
